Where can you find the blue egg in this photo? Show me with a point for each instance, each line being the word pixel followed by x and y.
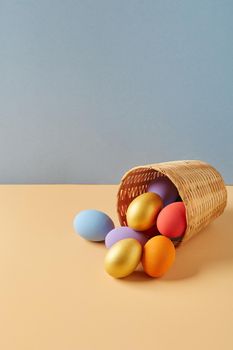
pixel 93 225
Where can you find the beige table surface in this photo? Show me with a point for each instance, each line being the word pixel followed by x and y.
pixel 55 293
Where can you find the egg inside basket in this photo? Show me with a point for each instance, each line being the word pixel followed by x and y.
pixel 200 187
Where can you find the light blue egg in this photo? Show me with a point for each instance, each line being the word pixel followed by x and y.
pixel 93 225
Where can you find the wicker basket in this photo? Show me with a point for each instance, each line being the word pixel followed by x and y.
pixel 200 186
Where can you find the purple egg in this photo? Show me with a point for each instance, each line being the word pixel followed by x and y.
pixel 123 232
pixel 165 189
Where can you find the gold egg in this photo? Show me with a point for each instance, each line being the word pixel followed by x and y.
pixel 123 257
pixel 143 211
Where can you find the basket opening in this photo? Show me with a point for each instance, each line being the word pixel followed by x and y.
pixel 134 183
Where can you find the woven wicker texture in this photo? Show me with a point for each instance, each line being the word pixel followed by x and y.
pixel 200 186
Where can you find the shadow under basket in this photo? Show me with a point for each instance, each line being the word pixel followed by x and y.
pixel 200 187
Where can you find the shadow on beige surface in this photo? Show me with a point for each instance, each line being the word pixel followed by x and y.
pixel 212 246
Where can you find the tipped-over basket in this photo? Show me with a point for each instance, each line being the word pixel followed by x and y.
pixel 200 186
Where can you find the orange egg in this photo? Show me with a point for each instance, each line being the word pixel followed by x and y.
pixel 158 256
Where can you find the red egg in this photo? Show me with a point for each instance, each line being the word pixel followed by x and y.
pixel 171 221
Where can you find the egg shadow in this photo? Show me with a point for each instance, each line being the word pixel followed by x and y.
pixel 211 246
pixel 138 276
pixel 95 243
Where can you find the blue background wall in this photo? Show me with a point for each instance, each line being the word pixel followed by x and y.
pixel 91 88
